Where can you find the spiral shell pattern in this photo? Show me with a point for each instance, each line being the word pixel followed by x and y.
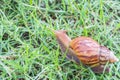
pixel 87 50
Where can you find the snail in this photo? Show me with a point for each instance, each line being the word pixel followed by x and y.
pixel 85 50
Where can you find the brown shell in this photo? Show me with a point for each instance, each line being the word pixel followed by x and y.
pixel 87 50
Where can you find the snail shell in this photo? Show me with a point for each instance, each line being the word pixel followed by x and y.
pixel 91 53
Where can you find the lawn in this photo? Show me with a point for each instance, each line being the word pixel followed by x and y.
pixel 28 47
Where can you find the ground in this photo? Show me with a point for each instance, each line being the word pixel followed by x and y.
pixel 28 47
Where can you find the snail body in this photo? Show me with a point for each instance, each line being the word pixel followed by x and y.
pixel 85 50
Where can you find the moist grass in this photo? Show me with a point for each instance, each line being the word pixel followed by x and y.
pixel 28 47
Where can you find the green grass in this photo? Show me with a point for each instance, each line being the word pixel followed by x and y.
pixel 25 33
